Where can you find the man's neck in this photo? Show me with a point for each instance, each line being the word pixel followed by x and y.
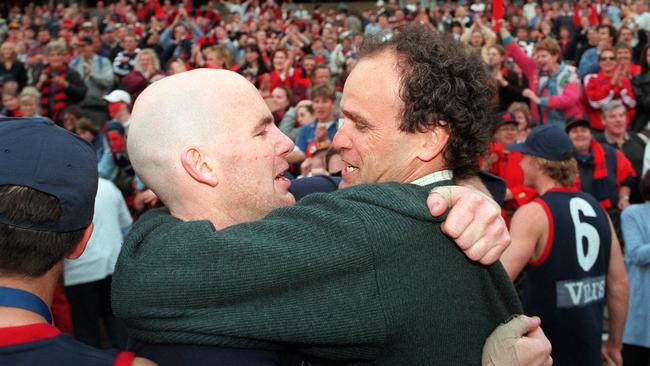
pixel 618 139
pixel 544 184
pixel 42 287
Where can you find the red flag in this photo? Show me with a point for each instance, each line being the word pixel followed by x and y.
pixel 498 11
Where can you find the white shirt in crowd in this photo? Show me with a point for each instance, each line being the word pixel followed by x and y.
pixel 111 221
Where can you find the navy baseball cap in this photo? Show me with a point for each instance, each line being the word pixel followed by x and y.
pixel 580 119
pixel 36 153
pixel 505 118
pixel 547 142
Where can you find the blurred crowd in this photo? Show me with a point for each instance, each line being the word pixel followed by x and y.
pixel 582 66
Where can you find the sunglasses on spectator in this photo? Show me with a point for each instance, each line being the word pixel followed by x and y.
pixel 612 58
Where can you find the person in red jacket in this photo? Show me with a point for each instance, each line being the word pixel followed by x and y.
pixel 608 85
pixel 505 164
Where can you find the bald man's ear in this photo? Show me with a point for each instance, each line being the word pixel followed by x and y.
pixel 195 164
pixel 433 142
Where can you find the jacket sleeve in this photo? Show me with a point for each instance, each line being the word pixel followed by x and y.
pixel 637 247
pixel 597 93
pixel 642 99
pixel 627 93
pixel 625 174
pixel 104 76
pixel 525 62
pixel 77 88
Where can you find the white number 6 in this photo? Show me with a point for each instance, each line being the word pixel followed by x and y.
pixel 586 260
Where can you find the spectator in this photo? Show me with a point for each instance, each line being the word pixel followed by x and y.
pixel 119 105
pixel 10 104
pixel 480 37
pixel 282 73
pixel 70 115
pixel 323 127
pixel 525 123
pixel 632 144
pixel 89 131
pixel 124 62
pixel 641 85
pixel 88 279
pixel 10 67
pixel 253 63
pixel 59 85
pixel 281 103
pixel 624 60
pixel 296 118
pixel 146 71
pixel 604 172
pixel 557 82
pixel 636 230
pixel 510 84
pixel 589 61
pixel 97 74
pixel 505 164
pixel 29 102
pixel 608 85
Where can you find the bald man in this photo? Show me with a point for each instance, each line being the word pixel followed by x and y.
pixel 361 274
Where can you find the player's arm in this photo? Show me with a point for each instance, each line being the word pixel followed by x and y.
pixel 526 228
pixel 617 298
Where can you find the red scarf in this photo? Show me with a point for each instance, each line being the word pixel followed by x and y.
pixel 599 176
pixel 53 100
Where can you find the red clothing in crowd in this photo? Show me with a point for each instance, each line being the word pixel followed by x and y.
pixel 294 78
pixel 599 91
pixel 507 167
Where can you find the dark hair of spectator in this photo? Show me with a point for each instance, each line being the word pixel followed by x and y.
pixel 499 48
pixel 644 59
pixel 623 46
pixel 28 252
pixel 645 186
pixel 325 91
pixel 549 45
pixel 612 31
pixel 287 92
pixel 74 110
pixel 443 84
pixel 85 124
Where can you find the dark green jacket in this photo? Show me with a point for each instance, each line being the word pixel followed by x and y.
pixel 362 274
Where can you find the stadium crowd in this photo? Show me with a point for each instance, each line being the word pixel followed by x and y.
pixel 582 66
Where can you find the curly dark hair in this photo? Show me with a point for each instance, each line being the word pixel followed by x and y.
pixel 442 84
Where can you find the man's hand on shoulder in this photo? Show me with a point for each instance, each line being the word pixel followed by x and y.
pixel 474 222
pixel 520 341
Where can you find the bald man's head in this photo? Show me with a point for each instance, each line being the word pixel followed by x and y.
pixel 208 119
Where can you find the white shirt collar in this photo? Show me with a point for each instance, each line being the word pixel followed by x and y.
pixel 435 177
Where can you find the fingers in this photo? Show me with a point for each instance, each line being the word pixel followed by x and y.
pixel 491 245
pixel 470 219
pixel 532 322
pixel 437 203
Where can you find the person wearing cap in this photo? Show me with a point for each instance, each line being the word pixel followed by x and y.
pixel 603 172
pixel 48 182
pixel 505 164
pixel 119 107
pixel 294 278
pixel 59 84
pixel 569 251
pixel 97 73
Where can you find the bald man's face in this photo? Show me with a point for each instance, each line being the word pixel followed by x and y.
pixel 252 159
